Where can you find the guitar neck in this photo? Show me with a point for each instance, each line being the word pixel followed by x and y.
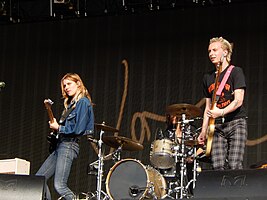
pixel 50 115
pixel 48 104
pixel 216 85
pixel 211 121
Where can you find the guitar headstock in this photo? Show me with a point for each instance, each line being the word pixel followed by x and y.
pixel 48 103
pixel 219 64
pixel 219 68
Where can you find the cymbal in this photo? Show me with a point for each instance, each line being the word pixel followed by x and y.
pixel 104 127
pixel 189 110
pixel 125 143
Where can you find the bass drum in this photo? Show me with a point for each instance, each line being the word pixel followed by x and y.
pixel 130 179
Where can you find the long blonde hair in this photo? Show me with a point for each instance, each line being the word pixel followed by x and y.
pixel 83 92
pixel 225 46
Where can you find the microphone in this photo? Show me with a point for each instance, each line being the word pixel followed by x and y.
pixel 135 190
pixel 2 85
pixel 92 140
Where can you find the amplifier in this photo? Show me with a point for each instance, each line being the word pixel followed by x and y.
pixel 14 166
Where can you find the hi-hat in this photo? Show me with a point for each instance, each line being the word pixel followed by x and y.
pixel 189 110
pixel 123 142
pixel 104 127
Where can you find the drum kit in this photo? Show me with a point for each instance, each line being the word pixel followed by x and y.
pixel 174 162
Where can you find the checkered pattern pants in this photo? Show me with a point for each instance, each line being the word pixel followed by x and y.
pixel 228 145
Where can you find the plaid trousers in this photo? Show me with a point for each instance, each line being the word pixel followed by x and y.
pixel 228 144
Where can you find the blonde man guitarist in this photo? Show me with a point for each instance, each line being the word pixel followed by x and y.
pixel 224 127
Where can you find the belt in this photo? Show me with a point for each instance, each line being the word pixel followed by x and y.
pixel 222 120
pixel 69 139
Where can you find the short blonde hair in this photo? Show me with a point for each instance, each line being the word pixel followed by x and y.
pixel 225 46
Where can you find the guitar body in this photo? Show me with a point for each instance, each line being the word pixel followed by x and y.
pixel 210 133
pixel 211 126
pixel 53 141
pixel 52 138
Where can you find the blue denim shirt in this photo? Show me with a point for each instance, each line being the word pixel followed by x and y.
pixel 80 121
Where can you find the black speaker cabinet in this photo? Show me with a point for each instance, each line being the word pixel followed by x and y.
pixel 21 187
pixel 232 185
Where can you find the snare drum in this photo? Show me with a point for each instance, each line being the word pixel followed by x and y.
pixel 161 155
pixel 130 179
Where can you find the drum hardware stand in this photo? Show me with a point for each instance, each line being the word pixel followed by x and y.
pixel 152 191
pixel 195 165
pixel 189 191
pixel 171 191
pixel 181 189
pixel 182 165
pixel 100 166
pixel 114 155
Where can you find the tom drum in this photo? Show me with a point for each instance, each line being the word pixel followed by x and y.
pixel 161 155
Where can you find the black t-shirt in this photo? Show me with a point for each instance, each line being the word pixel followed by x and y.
pixel 235 81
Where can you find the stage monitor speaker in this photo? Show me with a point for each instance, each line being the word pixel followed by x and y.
pixel 21 187
pixel 232 185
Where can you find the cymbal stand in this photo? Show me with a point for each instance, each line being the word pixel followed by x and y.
pixel 116 155
pixel 181 191
pixel 182 164
pixel 100 166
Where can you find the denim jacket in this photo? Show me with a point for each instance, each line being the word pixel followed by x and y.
pixel 80 121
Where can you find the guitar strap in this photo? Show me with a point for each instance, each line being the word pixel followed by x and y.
pixel 222 84
pixel 66 114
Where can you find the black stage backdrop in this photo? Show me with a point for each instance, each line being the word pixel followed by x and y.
pixel 167 56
